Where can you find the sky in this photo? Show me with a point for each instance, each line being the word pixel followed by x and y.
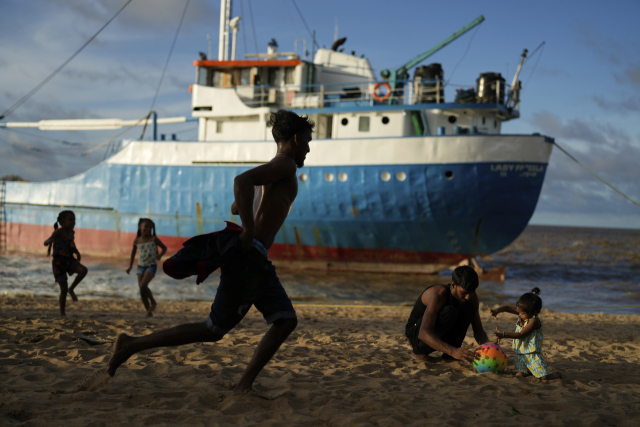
pixel 581 88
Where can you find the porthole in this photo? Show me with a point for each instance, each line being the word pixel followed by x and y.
pixel 401 176
pixel 385 176
pixel 328 177
pixel 452 119
pixel 448 175
pixel 303 177
pixel 344 121
pixel 342 177
pixel 385 120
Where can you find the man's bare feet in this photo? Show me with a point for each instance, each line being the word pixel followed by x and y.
pixel 149 313
pixel 74 298
pixel 238 389
pixel 419 357
pixel 152 307
pixel 121 353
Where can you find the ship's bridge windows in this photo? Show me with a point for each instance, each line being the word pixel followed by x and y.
pixel 245 76
pixel 273 76
pixel 289 75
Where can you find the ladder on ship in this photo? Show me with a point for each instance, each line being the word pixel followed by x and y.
pixel 3 218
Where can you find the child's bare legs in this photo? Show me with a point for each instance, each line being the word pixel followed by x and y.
pixel 80 271
pixel 145 293
pixel 63 297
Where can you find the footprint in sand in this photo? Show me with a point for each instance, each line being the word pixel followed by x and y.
pixel 237 403
pixel 94 381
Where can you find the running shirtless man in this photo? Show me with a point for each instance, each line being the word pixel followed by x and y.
pixel 249 274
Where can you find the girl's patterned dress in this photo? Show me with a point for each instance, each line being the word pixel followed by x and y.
pixel 63 261
pixel 529 358
pixel 147 254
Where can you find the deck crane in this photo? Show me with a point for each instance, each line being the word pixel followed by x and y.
pixel 392 77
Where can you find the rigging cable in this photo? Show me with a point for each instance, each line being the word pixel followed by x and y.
pixel 118 134
pixel 537 60
pixel 57 70
pixel 596 175
pixel 60 141
pixel 293 21
pixel 166 64
pixel 255 40
pixel 463 56
pixel 305 23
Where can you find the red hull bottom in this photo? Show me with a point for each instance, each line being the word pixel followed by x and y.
pixel 102 243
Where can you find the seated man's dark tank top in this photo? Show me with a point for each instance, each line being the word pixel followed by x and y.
pixel 451 325
pixel 419 308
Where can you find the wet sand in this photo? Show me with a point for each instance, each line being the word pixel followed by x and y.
pixel 343 366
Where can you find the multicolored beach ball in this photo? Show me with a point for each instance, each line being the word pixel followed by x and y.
pixel 490 358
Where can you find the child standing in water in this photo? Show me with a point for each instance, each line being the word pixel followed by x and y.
pixel 528 337
pixel 147 243
pixel 63 262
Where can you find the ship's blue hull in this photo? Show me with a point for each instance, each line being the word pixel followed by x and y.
pixel 439 213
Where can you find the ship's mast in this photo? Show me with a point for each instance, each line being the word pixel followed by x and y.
pixel 225 17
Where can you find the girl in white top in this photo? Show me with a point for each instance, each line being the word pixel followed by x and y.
pixel 147 243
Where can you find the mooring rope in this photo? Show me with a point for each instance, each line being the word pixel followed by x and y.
pixel 596 175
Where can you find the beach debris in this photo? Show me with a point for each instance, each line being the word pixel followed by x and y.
pixel 514 412
pixel 92 341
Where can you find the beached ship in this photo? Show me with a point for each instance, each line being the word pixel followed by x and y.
pixel 398 178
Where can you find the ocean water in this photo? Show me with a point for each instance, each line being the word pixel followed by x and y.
pixel 577 270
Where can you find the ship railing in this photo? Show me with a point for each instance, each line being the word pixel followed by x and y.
pixel 363 93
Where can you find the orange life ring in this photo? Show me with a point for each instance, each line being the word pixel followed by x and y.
pixel 385 96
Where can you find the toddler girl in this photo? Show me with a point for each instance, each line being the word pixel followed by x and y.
pixel 528 337
pixel 147 243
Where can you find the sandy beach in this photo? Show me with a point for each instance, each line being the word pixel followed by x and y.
pixel 343 366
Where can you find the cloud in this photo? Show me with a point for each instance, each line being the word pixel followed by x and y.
pixel 630 75
pixel 590 131
pixel 627 105
pixel 609 152
pixel 610 49
pixel 99 75
pixel 33 110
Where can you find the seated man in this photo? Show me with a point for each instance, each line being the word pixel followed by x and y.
pixel 441 316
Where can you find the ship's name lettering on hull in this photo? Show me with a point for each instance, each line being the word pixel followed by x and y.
pixel 510 167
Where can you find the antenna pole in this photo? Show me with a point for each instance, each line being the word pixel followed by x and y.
pixel 223 41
